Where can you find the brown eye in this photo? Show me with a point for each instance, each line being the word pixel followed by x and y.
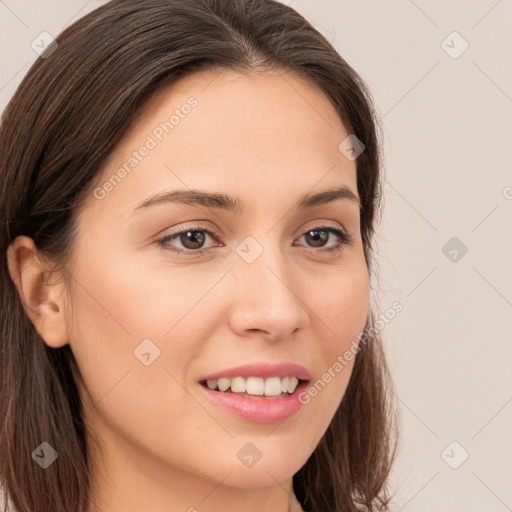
pixel 191 240
pixel 195 238
pixel 318 237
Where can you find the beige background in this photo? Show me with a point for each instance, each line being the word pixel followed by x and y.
pixel 448 174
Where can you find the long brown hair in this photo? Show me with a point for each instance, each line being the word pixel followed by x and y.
pixel 64 119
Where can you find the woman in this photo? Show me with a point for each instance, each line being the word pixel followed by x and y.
pixel 190 191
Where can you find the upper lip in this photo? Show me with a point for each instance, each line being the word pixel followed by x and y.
pixel 263 370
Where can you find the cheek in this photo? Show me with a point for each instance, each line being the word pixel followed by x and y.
pixel 120 315
pixel 345 305
pixel 119 303
pixel 342 318
pixel 117 308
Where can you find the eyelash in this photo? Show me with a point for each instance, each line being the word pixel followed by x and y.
pixel 343 236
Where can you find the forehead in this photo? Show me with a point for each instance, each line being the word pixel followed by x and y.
pixel 248 132
pixel 229 95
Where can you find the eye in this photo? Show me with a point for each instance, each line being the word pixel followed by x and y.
pixel 320 235
pixel 193 239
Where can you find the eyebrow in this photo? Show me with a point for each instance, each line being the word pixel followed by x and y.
pixel 233 204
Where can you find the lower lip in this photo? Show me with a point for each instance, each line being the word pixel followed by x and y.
pixel 258 409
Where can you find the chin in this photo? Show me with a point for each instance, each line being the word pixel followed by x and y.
pixel 258 476
pixel 251 468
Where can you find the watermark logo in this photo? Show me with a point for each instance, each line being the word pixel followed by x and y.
pixel 45 455
pixel 146 352
pixel 249 455
pixel 249 249
pixel 454 249
pixel 351 147
pixel 454 455
pixel 44 45
pixel 454 45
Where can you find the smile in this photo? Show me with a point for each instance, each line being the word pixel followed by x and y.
pixel 255 386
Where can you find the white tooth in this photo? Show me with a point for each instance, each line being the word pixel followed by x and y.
pixel 284 385
pixel 255 386
pixel 292 384
pixel 238 385
pixel 212 384
pixel 273 386
pixel 224 384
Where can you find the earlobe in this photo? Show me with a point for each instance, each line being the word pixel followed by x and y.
pixel 42 300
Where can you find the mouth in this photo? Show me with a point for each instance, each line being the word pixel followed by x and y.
pixel 270 388
pixel 259 392
pixel 260 401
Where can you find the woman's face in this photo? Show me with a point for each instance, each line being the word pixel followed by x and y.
pixel 152 316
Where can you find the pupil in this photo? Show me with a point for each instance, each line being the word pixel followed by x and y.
pixel 317 238
pixel 197 239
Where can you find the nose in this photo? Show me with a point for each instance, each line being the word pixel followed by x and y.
pixel 267 299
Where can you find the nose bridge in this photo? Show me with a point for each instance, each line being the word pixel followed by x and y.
pixel 266 298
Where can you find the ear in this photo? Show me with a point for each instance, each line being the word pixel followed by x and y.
pixel 42 300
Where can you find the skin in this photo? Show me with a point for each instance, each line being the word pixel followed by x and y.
pixel 265 138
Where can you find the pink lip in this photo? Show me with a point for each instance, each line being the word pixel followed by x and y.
pixel 257 409
pixel 263 370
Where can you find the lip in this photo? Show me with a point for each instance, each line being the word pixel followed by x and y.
pixel 257 409
pixel 264 370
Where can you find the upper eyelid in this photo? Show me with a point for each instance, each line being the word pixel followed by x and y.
pixel 216 234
